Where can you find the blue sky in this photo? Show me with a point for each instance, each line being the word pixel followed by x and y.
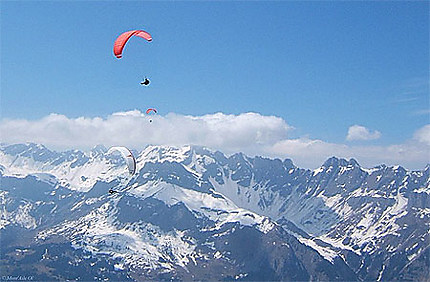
pixel 322 67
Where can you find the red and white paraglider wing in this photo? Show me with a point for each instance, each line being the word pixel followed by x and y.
pixel 151 110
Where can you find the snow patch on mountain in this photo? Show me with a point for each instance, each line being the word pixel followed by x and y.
pixel 75 170
pixel 21 216
pixel 400 206
pixel 163 154
pixel 326 252
pixel 247 197
pixel 422 190
pixel 46 178
pixel 137 245
pixel 217 208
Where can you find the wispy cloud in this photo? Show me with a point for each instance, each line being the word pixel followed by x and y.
pixel 251 133
pixel 414 91
pixel 358 132
pixel 406 100
pixel 422 112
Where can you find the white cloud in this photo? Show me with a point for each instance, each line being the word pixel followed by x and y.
pixel 423 135
pixel 312 153
pixel 251 133
pixel 358 132
pixel 247 131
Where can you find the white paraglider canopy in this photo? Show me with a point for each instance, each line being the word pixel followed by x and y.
pixel 127 155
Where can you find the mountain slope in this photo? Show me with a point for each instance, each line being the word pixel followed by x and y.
pixel 192 213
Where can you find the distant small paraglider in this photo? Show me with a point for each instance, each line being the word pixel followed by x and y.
pixel 145 82
pixel 151 111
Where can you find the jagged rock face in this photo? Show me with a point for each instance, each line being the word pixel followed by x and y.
pixel 191 213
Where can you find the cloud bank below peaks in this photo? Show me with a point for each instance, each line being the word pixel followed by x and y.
pixel 233 133
pixel 251 133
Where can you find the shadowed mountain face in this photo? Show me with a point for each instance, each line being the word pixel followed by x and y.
pixel 194 214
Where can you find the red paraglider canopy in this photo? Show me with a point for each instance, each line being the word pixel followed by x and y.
pixel 123 38
pixel 149 110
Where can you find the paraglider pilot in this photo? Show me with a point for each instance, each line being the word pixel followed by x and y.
pixel 145 82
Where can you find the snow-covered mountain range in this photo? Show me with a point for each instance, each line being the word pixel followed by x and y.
pixel 194 214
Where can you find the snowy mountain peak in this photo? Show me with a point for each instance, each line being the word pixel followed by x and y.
pixel 98 150
pixel 164 153
pixel 190 206
pixel 288 163
pixel 337 162
pixel 34 151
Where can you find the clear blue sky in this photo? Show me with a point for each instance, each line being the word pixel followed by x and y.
pixel 321 66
